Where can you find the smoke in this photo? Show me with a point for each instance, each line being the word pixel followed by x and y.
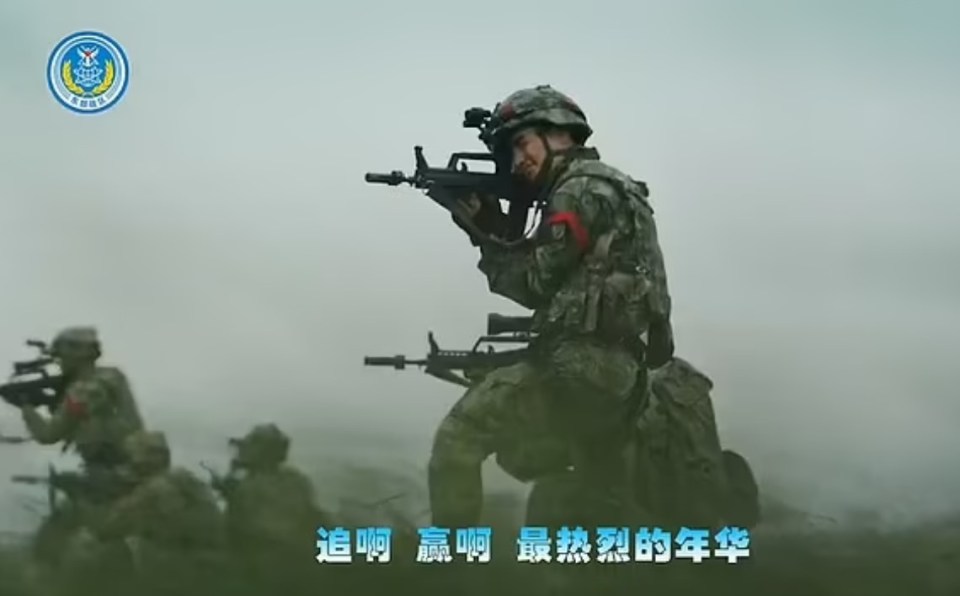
pixel 215 225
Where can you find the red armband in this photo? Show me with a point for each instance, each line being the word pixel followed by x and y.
pixel 75 408
pixel 572 221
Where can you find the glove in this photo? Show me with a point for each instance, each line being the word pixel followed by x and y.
pixel 660 345
pixel 484 212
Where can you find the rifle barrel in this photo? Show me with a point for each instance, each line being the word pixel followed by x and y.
pixel 398 362
pixel 498 324
pixel 394 178
pixel 26 479
pixel 519 338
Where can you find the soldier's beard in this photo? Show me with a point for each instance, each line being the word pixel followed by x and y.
pixel 534 180
pixel 528 171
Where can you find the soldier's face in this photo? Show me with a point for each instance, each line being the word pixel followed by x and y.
pixel 529 155
pixel 72 355
pixel 532 149
pixel 243 455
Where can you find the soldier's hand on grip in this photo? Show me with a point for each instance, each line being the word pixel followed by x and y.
pixel 484 211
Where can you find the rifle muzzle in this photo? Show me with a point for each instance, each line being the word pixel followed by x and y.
pixel 397 362
pixel 394 178
pixel 498 324
pixel 25 479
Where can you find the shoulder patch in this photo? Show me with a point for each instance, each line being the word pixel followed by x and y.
pixel 558 231
pixel 559 222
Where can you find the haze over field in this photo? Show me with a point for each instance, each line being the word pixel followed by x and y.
pixel 215 225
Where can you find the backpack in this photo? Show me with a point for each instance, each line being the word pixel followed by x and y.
pixel 682 474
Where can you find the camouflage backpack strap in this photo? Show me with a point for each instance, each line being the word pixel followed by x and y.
pixel 615 302
pixel 619 186
pixel 597 258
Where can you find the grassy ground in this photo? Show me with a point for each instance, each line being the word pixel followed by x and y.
pixel 788 558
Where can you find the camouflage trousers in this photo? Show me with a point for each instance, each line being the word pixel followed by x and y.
pixel 565 407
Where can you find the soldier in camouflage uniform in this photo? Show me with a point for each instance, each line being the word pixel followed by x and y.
pixel 272 515
pixel 96 413
pixel 594 275
pixel 170 519
pixel 98 409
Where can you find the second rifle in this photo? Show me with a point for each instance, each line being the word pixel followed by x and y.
pixel 445 364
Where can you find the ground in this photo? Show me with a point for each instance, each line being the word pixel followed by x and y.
pixel 790 556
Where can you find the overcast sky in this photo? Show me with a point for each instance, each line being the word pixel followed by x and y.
pixel 215 225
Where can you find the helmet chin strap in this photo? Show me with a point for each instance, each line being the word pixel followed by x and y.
pixel 549 161
pixel 546 170
pixel 547 166
pixel 536 186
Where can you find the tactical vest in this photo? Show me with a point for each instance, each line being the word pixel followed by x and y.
pixel 99 438
pixel 620 288
pixel 681 472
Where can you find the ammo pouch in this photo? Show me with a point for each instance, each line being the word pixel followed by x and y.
pixel 616 307
pixel 616 303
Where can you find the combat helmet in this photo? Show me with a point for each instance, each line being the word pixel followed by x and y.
pixel 265 442
pixel 147 450
pixel 79 335
pixel 540 105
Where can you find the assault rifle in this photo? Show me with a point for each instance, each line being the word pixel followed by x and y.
pixel 94 487
pixel 223 484
pixel 472 363
pixel 450 185
pixel 32 382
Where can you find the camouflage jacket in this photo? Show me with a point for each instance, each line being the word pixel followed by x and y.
pixel 594 266
pixel 173 510
pixel 97 412
pixel 272 508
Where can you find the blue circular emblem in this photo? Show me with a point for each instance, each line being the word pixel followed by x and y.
pixel 88 72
